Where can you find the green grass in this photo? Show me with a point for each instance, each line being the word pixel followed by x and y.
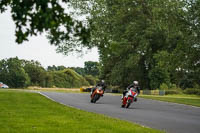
pixel 45 90
pixel 182 99
pixel 26 112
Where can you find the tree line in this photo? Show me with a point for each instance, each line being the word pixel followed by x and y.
pixel 155 42
pixel 17 73
pixel 152 41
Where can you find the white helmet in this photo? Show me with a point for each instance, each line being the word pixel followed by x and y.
pixel 135 82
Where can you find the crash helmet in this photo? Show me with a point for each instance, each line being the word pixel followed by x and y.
pixel 135 83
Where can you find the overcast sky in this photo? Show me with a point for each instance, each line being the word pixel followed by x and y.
pixel 37 48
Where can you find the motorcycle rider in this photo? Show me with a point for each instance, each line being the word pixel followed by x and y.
pixel 135 86
pixel 100 84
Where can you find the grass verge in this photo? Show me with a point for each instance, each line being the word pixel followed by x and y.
pixel 67 90
pixel 26 112
pixel 46 90
pixel 181 99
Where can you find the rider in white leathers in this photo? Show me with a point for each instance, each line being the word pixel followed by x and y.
pixel 135 86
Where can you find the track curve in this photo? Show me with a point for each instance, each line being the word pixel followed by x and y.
pixel 173 118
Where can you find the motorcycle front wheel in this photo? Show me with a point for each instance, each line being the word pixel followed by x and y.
pixel 128 103
pixel 93 99
pixel 96 97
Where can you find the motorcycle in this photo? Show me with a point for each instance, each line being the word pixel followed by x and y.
pixel 128 98
pixel 97 94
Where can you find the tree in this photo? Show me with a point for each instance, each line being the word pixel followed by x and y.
pixel 134 37
pixel 79 70
pixel 49 80
pixel 36 72
pixel 91 68
pixel 55 68
pixel 13 74
pixel 61 68
pixel 68 79
pixel 39 16
pixel 52 68
pixel 91 80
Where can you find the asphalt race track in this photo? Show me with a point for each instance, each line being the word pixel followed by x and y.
pixel 173 118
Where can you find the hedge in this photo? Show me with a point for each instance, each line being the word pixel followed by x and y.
pixel 192 91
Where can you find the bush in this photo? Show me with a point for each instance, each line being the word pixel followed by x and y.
pixel 173 87
pixel 192 91
pixel 196 86
pixel 68 78
pixel 90 79
pixel 74 78
pixel 167 92
pixel 163 86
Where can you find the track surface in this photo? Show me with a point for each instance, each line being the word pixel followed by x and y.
pixel 173 118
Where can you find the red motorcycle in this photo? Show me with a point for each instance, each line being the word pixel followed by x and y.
pixel 97 94
pixel 128 98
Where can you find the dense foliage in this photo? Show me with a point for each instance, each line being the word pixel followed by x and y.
pixel 91 80
pixel 68 78
pixel 90 68
pixel 193 91
pixel 13 74
pixel 152 41
pixel 18 73
pixel 38 75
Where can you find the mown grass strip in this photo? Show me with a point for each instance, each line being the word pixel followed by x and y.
pixel 25 112
pixel 181 99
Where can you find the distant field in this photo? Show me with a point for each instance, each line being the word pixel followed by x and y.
pixel 182 99
pixel 26 112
